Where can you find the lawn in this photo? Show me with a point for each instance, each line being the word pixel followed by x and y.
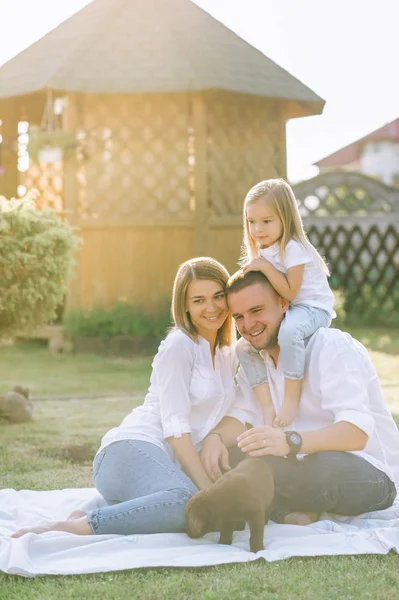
pixel 56 450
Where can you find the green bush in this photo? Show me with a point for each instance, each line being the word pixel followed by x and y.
pixel 36 255
pixel 122 319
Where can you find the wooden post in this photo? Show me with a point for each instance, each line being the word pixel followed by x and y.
pixel 201 174
pixel 9 176
pixel 70 122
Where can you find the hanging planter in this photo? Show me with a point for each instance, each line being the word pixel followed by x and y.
pixel 49 143
pixel 50 146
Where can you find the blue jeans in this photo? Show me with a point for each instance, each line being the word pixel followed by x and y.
pixel 145 490
pixel 338 482
pixel 300 322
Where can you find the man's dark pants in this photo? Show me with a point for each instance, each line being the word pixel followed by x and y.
pixel 338 482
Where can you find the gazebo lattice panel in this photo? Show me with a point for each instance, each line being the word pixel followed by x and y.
pixel 354 222
pixel 133 157
pixel 244 146
pixel 48 179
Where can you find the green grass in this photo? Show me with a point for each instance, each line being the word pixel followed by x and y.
pixel 68 374
pixel 56 450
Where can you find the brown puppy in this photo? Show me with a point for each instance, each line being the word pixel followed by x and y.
pixel 242 495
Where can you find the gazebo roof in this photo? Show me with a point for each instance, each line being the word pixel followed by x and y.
pixel 140 46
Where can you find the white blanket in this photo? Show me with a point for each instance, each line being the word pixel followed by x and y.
pixel 56 553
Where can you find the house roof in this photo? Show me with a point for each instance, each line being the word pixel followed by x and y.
pixel 137 46
pixel 352 152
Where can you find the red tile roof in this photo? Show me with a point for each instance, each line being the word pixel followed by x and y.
pixel 351 153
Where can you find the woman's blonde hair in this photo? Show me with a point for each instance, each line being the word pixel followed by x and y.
pixel 279 193
pixel 199 268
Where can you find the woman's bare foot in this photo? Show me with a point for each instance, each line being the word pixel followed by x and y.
pixel 298 518
pixel 78 526
pixel 76 514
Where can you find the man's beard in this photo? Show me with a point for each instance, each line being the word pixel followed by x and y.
pixel 270 343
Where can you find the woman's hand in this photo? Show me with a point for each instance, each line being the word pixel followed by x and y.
pixel 214 456
pixel 257 264
pixel 262 441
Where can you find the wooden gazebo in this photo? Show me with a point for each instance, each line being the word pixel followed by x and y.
pixel 175 118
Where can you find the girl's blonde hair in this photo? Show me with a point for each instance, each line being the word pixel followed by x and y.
pixel 279 193
pixel 199 268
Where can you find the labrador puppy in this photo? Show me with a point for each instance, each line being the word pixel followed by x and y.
pixel 242 495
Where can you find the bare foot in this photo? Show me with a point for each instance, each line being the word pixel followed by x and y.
pixel 299 518
pixel 78 526
pixel 76 514
pixel 285 416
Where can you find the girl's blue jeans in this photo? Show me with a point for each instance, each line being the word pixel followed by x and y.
pixel 300 322
pixel 145 490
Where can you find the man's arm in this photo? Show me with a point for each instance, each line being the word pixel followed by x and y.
pixel 339 437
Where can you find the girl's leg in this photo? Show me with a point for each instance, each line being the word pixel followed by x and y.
pixel 300 322
pixel 255 370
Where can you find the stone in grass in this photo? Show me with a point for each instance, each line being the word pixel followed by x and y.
pixel 16 406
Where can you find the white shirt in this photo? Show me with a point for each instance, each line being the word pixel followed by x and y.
pixel 340 384
pixel 315 290
pixel 186 394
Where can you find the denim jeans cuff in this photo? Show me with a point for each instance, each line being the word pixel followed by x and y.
pixel 294 376
pixel 260 381
pixel 92 519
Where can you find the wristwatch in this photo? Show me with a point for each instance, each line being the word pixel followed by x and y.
pixel 294 440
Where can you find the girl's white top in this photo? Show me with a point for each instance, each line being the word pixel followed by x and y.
pixel 315 290
pixel 186 394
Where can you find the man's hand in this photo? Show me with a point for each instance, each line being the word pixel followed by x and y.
pixel 214 456
pixel 262 441
pixel 257 264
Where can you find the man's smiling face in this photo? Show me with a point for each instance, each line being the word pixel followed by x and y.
pixel 258 311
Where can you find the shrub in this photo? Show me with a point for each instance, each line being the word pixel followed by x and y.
pixel 36 255
pixel 121 319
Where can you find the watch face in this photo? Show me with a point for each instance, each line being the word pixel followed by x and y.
pixel 295 439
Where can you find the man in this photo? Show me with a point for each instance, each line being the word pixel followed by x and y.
pixel 342 453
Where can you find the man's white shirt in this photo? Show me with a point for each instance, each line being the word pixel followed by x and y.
pixel 340 384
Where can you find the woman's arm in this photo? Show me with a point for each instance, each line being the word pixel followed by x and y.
pixel 287 286
pixel 189 460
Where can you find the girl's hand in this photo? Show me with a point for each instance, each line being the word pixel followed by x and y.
pixel 257 264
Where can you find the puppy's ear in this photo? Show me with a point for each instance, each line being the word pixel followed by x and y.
pixel 196 514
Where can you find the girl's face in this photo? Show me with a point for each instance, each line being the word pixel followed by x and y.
pixel 265 226
pixel 206 303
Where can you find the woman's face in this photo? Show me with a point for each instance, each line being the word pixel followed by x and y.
pixel 206 303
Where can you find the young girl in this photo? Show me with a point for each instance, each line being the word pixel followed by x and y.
pixel 149 466
pixel 276 244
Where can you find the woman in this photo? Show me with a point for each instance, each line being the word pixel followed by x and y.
pixel 149 467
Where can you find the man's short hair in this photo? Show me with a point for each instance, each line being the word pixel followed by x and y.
pixel 238 281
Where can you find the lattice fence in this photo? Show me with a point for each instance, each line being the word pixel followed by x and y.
pixel 354 222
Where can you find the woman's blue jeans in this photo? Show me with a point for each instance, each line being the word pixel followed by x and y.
pixel 337 482
pixel 145 490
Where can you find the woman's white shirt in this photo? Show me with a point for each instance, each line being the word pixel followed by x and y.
pixel 187 394
pixel 315 290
